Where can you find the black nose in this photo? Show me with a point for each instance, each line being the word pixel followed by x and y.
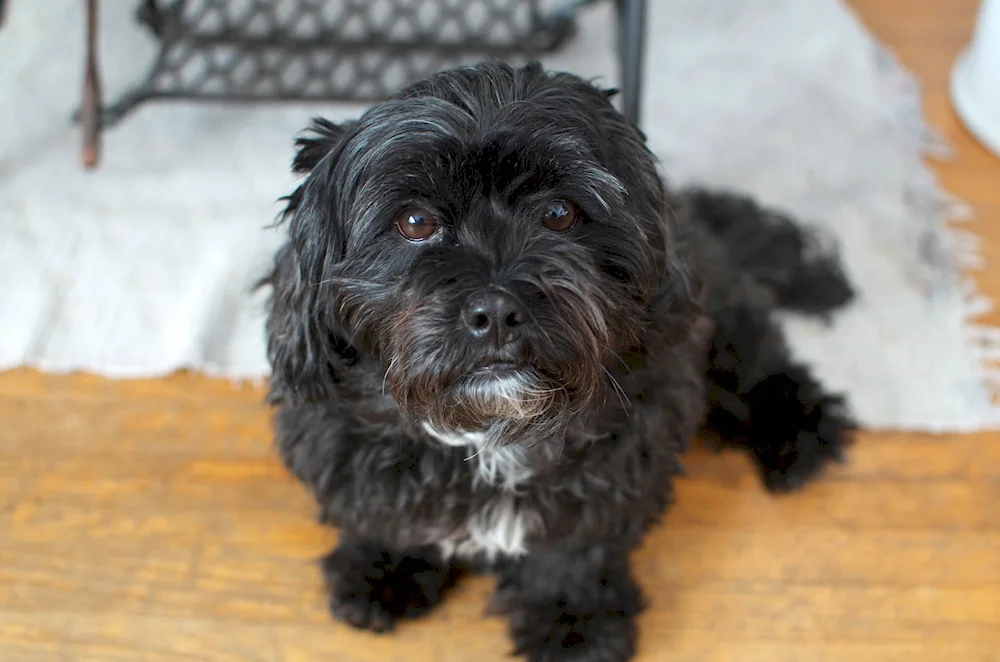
pixel 494 315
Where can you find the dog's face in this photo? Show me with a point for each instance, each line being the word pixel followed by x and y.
pixel 493 237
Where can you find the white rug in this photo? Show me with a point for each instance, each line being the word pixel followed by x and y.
pixel 144 266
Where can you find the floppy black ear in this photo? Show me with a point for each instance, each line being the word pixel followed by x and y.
pixel 324 137
pixel 305 343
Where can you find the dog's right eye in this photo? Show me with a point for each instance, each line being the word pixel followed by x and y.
pixel 561 216
pixel 417 225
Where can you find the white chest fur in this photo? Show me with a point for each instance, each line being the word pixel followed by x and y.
pixel 504 466
pixel 501 525
pixel 500 528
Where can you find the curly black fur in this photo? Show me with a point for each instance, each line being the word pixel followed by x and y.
pixel 646 321
pixel 370 588
pixel 578 603
pixel 772 248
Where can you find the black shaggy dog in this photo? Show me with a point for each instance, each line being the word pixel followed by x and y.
pixel 493 331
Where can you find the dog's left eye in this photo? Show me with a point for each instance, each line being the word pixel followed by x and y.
pixel 561 216
pixel 417 225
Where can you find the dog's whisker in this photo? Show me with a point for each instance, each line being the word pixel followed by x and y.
pixel 620 360
pixel 622 396
pixel 385 377
pixel 343 280
pixel 476 454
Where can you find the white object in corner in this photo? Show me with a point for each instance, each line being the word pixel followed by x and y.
pixel 975 80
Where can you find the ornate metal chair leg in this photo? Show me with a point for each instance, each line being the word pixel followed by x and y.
pixel 632 43
pixel 91 111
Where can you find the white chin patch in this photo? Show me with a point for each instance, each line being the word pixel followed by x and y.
pixel 516 396
pixel 503 466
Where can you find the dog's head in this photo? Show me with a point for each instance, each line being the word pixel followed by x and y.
pixel 494 238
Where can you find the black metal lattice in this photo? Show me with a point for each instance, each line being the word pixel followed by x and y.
pixel 330 50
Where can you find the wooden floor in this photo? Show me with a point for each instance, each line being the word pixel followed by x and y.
pixel 150 520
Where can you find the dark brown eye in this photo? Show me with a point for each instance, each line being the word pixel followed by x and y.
pixel 417 224
pixel 560 216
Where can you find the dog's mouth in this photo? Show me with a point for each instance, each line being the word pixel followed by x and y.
pixel 499 368
pixel 504 361
pixel 496 394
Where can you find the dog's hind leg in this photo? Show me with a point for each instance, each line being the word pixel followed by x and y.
pixel 370 587
pixel 781 254
pixel 764 401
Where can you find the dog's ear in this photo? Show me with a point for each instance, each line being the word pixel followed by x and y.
pixel 305 343
pixel 309 209
pixel 325 137
pixel 303 348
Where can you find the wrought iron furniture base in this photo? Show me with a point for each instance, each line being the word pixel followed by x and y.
pixel 332 50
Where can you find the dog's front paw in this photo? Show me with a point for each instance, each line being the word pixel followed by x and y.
pixel 361 609
pixel 568 637
pixel 361 590
pixel 560 635
pixel 812 434
pixel 571 605
pixel 369 589
pixel 800 461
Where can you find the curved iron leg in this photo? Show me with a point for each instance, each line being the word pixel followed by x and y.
pixel 632 16
pixel 91 111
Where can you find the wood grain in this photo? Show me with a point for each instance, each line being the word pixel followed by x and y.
pixel 149 520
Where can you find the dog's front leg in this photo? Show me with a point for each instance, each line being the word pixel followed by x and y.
pixel 371 587
pixel 575 605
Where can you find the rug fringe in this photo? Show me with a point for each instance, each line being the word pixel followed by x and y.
pixel 983 338
pixel 962 247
